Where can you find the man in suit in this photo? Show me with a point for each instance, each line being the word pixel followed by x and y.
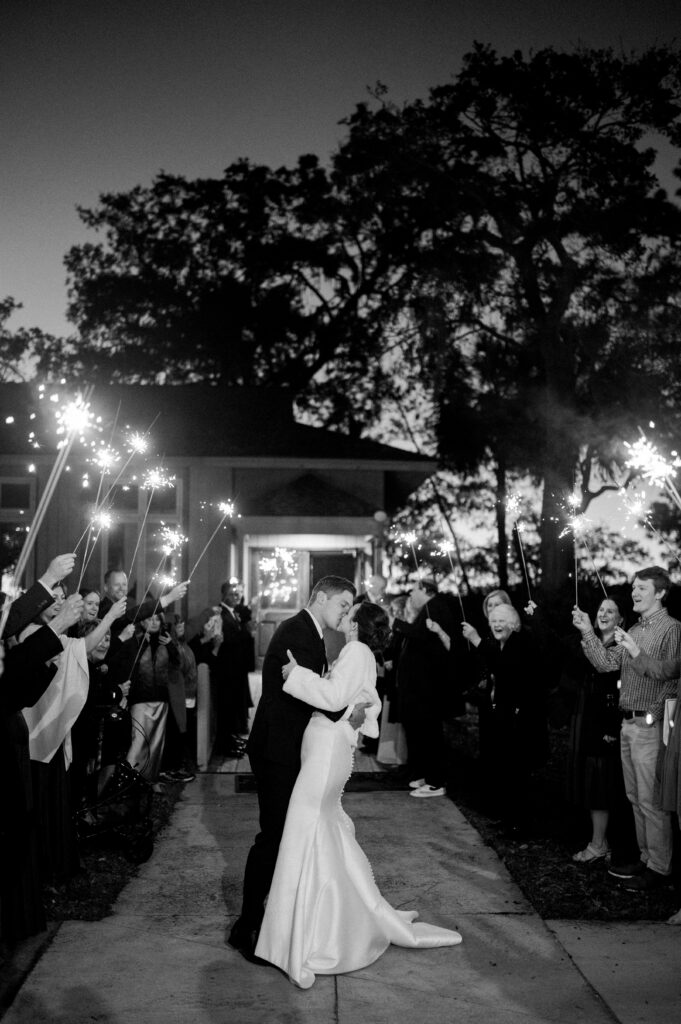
pixel 276 738
pixel 424 675
pixel 116 587
pixel 226 646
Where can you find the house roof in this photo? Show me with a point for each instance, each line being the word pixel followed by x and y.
pixel 195 420
pixel 308 495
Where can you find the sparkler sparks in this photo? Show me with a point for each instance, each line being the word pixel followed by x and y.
pixel 652 466
pixel 106 458
pixel 102 521
pixel 155 479
pixel 138 443
pixel 171 539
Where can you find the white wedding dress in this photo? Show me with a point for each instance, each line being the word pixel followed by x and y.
pixel 325 914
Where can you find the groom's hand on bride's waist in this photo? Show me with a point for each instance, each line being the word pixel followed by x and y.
pixel 356 719
pixel 289 666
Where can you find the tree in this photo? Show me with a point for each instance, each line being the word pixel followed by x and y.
pixel 523 200
pixel 20 347
pixel 245 279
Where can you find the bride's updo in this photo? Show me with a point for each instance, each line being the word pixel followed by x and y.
pixel 373 626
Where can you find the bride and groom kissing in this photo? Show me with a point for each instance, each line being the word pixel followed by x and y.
pixel 310 902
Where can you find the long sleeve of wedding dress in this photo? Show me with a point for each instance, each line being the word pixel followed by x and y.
pixel 325 913
pixel 351 680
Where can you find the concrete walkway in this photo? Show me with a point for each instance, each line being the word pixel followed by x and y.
pixel 161 958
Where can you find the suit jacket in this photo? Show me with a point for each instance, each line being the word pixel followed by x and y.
pixel 424 670
pixel 280 719
pixel 26 607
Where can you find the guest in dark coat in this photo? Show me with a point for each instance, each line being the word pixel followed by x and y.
pixel 28 671
pixel 512 664
pixel 425 679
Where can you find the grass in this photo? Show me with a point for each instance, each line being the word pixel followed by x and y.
pixel 105 869
pixel 541 862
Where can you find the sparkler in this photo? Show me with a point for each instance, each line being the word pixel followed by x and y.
pixel 634 506
pixel 513 511
pixel 137 445
pixel 73 419
pixel 228 511
pixel 653 467
pixel 578 525
pixel 154 480
pixel 101 521
pixel 446 548
pixel 410 539
pixel 172 540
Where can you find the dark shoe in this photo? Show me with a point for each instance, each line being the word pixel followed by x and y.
pixel 181 775
pixel 646 882
pixel 626 871
pixel 245 940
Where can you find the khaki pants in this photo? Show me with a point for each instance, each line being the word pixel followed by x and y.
pixel 640 747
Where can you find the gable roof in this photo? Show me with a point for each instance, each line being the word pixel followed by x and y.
pixel 308 495
pixel 198 420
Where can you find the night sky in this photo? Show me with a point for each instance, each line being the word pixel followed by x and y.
pixel 98 96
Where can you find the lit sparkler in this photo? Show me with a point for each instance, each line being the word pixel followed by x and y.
pixel 228 510
pixel 513 509
pixel 73 419
pixel 152 481
pixel 653 467
pixel 410 539
pixel 635 508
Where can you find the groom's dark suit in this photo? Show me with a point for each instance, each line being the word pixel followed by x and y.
pixel 274 752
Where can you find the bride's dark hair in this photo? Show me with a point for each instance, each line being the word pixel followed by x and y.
pixel 373 625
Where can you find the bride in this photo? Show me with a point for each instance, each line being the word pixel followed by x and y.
pixel 324 913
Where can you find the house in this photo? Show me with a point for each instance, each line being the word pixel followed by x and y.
pixel 308 502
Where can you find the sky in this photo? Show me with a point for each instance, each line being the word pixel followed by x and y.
pixel 101 95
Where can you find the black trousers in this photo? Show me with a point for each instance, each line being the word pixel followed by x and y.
pixel 426 745
pixel 275 784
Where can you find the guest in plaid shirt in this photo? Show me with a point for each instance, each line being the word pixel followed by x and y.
pixel 642 703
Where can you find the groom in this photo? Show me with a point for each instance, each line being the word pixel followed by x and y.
pixel 276 738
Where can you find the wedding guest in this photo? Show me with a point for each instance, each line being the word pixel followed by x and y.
pixel 594 770
pixel 28 672
pixel 177 761
pixel 642 701
pixel 226 646
pixel 116 588
pixel 157 660
pixel 511 666
pixel 50 721
pixel 101 734
pixel 392 741
pixel 423 678
pixel 91 600
pixel 668 788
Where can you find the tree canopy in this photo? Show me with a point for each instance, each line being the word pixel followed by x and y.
pixel 502 249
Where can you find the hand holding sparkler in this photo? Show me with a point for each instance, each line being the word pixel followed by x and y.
pixel 581 621
pixel 627 641
pixel 68 615
pixel 58 568
pixel 176 594
pixel 471 634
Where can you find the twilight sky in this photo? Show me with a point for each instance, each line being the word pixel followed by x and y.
pixel 100 95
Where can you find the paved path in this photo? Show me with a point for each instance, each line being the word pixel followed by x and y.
pixel 161 958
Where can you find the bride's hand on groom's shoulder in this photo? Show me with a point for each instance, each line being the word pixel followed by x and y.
pixel 287 669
